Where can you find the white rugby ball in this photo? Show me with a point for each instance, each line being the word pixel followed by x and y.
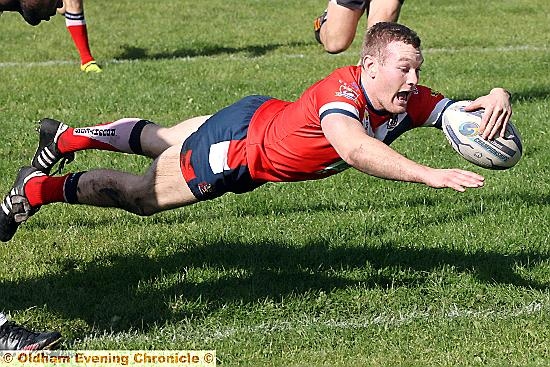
pixel 461 129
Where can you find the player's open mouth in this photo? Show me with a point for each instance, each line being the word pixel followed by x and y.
pixel 403 96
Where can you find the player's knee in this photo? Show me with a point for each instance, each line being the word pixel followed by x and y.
pixel 135 197
pixel 336 45
pixel 143 205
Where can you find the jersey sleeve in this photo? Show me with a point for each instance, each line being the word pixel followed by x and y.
pixel 427 107
pixel 338 95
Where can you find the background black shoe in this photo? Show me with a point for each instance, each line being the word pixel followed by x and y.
pixel 15 337
pixel 317 23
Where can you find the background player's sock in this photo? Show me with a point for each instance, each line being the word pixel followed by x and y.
pixel 76 24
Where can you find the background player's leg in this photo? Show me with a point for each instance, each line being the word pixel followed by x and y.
pixel 383 11
pixel 338 31
pixel 76 25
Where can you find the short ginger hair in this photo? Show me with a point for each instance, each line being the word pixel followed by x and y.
pixel 380 35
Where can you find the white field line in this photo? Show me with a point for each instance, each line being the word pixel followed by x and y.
pixel 47 63
pixel 210 333
pixel 384 319
pixel 517 48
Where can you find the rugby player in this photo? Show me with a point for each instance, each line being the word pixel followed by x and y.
pixel 347 119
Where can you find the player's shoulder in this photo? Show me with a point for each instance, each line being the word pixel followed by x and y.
pixel 343 82
pixel 425 97
pixel 424 104
pixel 348 72
pixel 423 91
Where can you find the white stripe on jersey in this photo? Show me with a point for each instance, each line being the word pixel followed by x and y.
pixel 436 112
pixel 343 106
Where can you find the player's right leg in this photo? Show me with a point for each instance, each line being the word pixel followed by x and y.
pixel 161 188
pixel 338 29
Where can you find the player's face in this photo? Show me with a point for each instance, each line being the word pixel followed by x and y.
pixel 33 11
pixel 396 77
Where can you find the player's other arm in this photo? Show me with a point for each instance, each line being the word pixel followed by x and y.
pixel 375 158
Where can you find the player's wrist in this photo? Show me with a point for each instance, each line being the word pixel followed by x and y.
pixel 502 90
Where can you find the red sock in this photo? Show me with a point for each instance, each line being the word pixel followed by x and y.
pixel 76 24
pixel 42 190
pixel 122 135
pixel 69 142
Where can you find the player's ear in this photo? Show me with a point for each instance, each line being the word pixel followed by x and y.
pixel 370 65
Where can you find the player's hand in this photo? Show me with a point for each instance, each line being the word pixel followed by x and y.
pixel 497 112
pixel 456 179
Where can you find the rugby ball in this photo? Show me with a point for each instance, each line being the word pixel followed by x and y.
pixel 461 129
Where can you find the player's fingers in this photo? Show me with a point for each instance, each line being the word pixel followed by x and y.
pixel 474 105
pixel 470 174
pixel 497 128
pixel 506 119
pixel 491 121
pixel 468 179
pixel 485 123
pixel 457 187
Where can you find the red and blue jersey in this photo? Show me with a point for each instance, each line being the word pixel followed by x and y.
pixel 260 139
pixel 285 141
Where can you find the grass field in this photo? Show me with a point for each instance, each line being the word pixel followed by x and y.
pixel 347 271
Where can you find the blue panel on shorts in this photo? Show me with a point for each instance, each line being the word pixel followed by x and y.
pixel 230 123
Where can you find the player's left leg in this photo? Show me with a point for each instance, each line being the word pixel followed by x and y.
pixel 59 142
pixel 161 188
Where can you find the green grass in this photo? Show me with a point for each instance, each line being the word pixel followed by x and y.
pixel 347 271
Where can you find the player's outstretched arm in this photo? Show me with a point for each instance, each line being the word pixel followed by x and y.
pixel 375 158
